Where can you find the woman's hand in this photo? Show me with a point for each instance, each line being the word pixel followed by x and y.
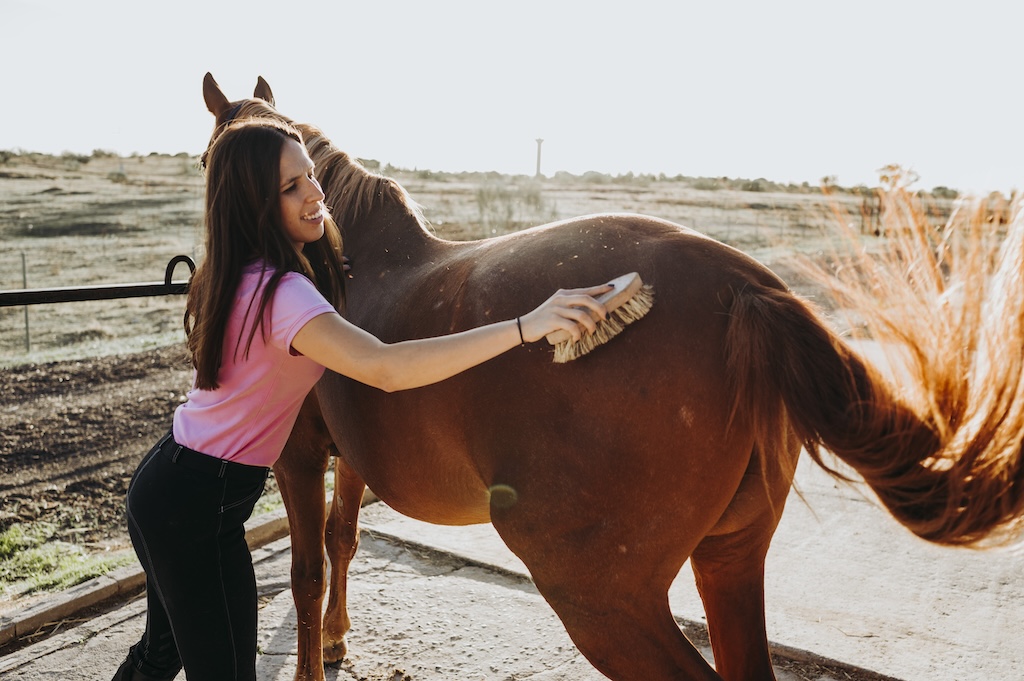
pixel 574 311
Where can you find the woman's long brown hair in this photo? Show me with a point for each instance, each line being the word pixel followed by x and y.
pixel 243 225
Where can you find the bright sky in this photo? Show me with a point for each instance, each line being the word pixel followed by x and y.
pixel 788 90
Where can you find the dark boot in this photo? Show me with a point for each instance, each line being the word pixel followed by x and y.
pixel 128 672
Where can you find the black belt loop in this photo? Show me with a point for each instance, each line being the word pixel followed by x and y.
pixel 214 466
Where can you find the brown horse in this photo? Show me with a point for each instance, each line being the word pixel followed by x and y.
pixel 676 440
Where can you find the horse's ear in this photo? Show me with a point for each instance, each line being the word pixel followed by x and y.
pixel 216 102
pixel 263 92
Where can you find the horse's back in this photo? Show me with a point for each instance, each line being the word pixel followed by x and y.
pixel 567 252
pixel 500 277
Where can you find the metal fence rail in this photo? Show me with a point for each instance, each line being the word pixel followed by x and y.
pixel 72 294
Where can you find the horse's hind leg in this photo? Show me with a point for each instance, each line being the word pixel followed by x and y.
pixel 729 569
pixel 621 622
pixel 730 578
pixel 341 540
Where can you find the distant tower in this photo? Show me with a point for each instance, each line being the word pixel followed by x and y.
pixel 539 142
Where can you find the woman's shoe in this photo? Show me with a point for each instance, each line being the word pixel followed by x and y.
pixel 128 672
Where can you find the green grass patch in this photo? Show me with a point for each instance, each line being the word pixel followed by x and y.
pixel 33 560
pixel 270 501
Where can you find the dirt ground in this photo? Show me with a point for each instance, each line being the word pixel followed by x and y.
pixel 71 433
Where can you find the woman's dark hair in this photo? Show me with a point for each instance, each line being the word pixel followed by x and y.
pixel 243 225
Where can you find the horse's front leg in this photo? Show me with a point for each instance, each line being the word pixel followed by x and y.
pixel 341 540
pixel 300 476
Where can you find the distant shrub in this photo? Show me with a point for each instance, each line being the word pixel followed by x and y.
pixel 706 183
pixel 104 153
pixel 6 155
pixel 945 193
pixel 496 205
pixel 72 158
pixel 117 177
pixel 504 207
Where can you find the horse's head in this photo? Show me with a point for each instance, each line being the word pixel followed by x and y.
pixel 352 191
pixel 261 104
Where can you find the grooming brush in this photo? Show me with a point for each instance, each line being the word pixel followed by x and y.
pixel 630 300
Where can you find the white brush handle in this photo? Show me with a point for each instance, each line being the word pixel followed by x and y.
pixel 626 287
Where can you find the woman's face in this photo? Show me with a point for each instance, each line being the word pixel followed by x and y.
pixel 302 207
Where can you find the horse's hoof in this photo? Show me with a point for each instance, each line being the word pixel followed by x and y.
pixel 335 651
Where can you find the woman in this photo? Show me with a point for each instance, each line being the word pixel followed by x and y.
pixel 262 324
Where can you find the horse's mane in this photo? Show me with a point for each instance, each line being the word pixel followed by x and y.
pixel 352 190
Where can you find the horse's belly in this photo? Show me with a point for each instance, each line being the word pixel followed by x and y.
pixel 411 456
pixel 435 491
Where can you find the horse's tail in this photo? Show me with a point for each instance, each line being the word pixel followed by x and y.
pixel 945 457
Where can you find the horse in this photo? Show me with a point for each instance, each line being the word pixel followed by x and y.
pixel 677 440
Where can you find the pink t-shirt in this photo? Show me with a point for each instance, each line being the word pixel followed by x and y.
pixel 249 417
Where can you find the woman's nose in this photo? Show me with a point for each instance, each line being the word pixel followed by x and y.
pixel 315 191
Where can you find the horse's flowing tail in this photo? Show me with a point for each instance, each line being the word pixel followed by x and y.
pixel 942 451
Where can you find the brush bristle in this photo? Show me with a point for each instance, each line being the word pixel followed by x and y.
pixel 627 313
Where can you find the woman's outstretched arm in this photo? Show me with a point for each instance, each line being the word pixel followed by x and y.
pixel 348 350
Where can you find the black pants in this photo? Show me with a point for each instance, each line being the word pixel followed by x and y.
pixel 185 515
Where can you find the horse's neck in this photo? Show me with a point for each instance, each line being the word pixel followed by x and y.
pixel 389 236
